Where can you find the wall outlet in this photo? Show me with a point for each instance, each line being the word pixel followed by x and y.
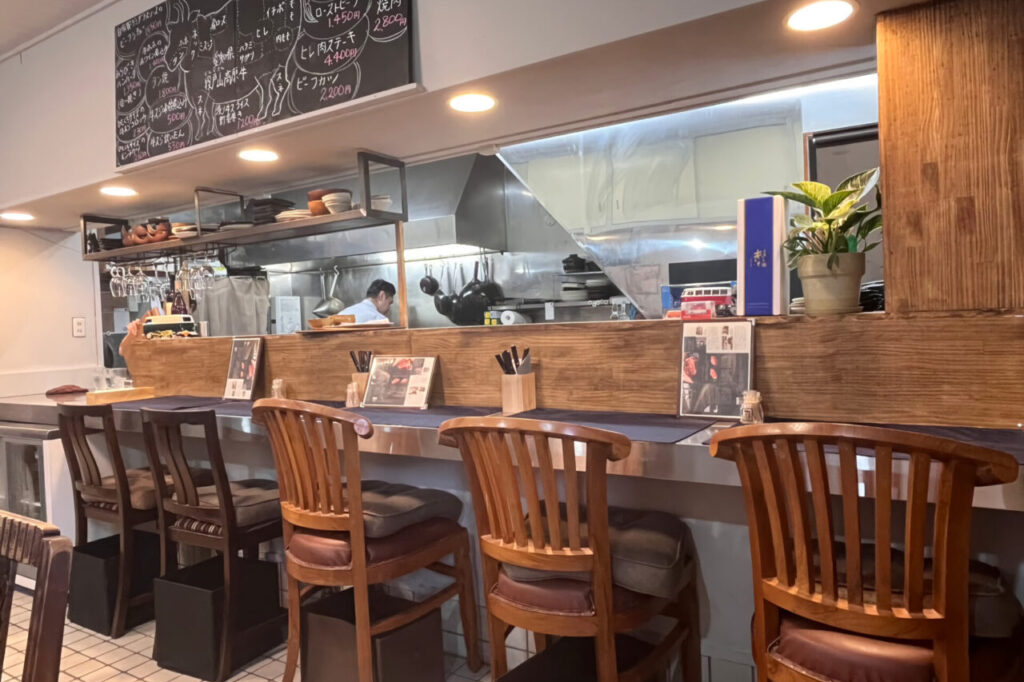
pixel 78 327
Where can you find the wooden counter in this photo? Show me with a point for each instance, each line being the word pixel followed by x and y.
pixel 936 368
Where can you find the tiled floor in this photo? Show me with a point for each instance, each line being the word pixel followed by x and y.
pixel 88 657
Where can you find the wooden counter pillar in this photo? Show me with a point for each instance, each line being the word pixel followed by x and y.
pixel 951 117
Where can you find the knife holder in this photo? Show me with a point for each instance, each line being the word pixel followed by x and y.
pixel 518 393
pixel 360 379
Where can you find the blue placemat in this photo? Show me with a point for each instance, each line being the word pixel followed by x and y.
pixel 170 402
pixel 430 418
pixel 651 428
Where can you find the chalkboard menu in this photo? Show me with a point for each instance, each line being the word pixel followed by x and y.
pixel 189 71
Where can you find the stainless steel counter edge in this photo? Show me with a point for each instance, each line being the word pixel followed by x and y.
pixel 687 461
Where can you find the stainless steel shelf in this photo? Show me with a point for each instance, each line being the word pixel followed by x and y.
pixel 339 222
pixel 597 303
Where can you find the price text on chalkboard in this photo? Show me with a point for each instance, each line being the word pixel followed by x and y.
pixel 188 71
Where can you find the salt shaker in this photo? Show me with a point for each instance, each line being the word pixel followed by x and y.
pixel 277 388
pixel 352 395
pixel 751 412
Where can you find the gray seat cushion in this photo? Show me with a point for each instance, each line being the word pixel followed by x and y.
pixel 255 500
pixel 652 553
pixel 390 507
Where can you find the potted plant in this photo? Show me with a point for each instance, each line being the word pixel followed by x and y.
pixel 827 247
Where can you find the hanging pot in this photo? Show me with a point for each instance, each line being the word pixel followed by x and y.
pixel 428 284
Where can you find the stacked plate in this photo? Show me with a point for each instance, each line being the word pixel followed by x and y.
pixel 182 230
pixel 294 214
pixel 574 291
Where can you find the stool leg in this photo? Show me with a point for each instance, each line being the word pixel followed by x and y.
pixel 689 612
pixel 124 581
pixel 540 641
pixel 81 523
pixel 230 601
pixel 467 603
pixel 364 644
pixel 291 660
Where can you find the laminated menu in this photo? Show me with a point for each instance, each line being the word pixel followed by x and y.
pixel 243 368
pixel 717 360
pixel 399 381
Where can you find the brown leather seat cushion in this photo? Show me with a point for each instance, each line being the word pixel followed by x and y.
pixel 995 611
pixel 563 596
pixel 652 553
pixel 839 656
pixel 142 490
pixel 321 549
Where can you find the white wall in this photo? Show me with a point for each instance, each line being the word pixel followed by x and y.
pixel 43 284
pixel 57 125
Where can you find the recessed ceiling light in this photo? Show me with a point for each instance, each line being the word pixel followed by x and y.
pixel 258 155
pixel 472 102
pixel 114 191
pixel 16 216
pixel 819 15
pixel 723 228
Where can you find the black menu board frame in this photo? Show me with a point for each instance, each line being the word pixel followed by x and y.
pixel 189 72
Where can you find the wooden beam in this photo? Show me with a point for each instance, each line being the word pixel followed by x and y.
pixel 951 93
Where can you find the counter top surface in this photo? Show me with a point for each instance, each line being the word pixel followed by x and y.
pixel 414 433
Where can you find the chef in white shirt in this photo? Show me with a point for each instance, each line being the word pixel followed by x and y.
pixel 379 297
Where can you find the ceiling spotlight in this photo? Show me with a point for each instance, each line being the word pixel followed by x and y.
pixel 16 216
pixel 472 102
pixel 112 191
pixel 819 15
pixel 258 155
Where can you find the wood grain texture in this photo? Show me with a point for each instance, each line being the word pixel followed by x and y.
pixel 622 366
pixel 958 369
pixel 940 369
pixel 951 91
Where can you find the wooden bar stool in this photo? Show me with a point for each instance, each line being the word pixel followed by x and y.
pixel 831 609
pixel 228 516
pixel 567 564
pixel 343 531
pixel 125 499
pixel 34 543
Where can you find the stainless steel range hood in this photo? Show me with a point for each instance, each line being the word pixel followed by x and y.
pixel 455 201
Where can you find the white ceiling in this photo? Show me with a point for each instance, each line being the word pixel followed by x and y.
pixel 23 20
pixel 710 60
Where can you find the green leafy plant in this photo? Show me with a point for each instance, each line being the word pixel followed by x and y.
pixel 838 221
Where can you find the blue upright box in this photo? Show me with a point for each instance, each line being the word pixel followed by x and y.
pixel 762 286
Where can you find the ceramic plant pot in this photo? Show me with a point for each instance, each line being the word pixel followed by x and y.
pixel 835 290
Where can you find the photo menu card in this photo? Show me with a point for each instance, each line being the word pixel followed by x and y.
pixel 243 368
pixel 717 362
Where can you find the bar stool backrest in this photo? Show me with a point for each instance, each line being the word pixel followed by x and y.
pixel 500 455
pixel 38 544
pixel 800 563
pixel 86 471
pixel 162 431
pixel 316 450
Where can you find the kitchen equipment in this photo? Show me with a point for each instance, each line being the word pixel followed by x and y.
pixel 513 317
pixel 380 202
pixel 173 323
pixel 328 305
pixel 428 284
pixel 294 214
pixel 338 201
